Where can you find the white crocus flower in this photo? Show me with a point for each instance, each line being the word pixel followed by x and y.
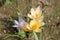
pixel 36 13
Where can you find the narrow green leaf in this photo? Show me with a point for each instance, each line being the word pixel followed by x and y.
pixel 35 35
pixel 41 36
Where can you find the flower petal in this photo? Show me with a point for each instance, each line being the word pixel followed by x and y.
pixel 30 16
pixel 16 22
pixel 20 19
pixel 38 10
pixel 38 30
pixel 41 18
pixel 28 27
pixel 23 23
pixel 43 23
pixel 32 11
pixel 15 25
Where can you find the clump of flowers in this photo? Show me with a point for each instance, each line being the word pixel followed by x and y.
pixel 33 25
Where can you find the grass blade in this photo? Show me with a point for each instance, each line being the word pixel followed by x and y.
pixel 41 36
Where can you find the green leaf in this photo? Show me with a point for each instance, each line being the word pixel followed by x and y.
pixel 41 36
pixel 21 34
pixel 35 35
pixel 7 1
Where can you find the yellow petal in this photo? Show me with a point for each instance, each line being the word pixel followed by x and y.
pixel 41 24
pixel 38 30
pixel 26 28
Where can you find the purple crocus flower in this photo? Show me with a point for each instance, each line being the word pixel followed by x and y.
pixel 19 23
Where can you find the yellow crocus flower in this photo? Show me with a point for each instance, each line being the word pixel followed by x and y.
pixel 35 25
